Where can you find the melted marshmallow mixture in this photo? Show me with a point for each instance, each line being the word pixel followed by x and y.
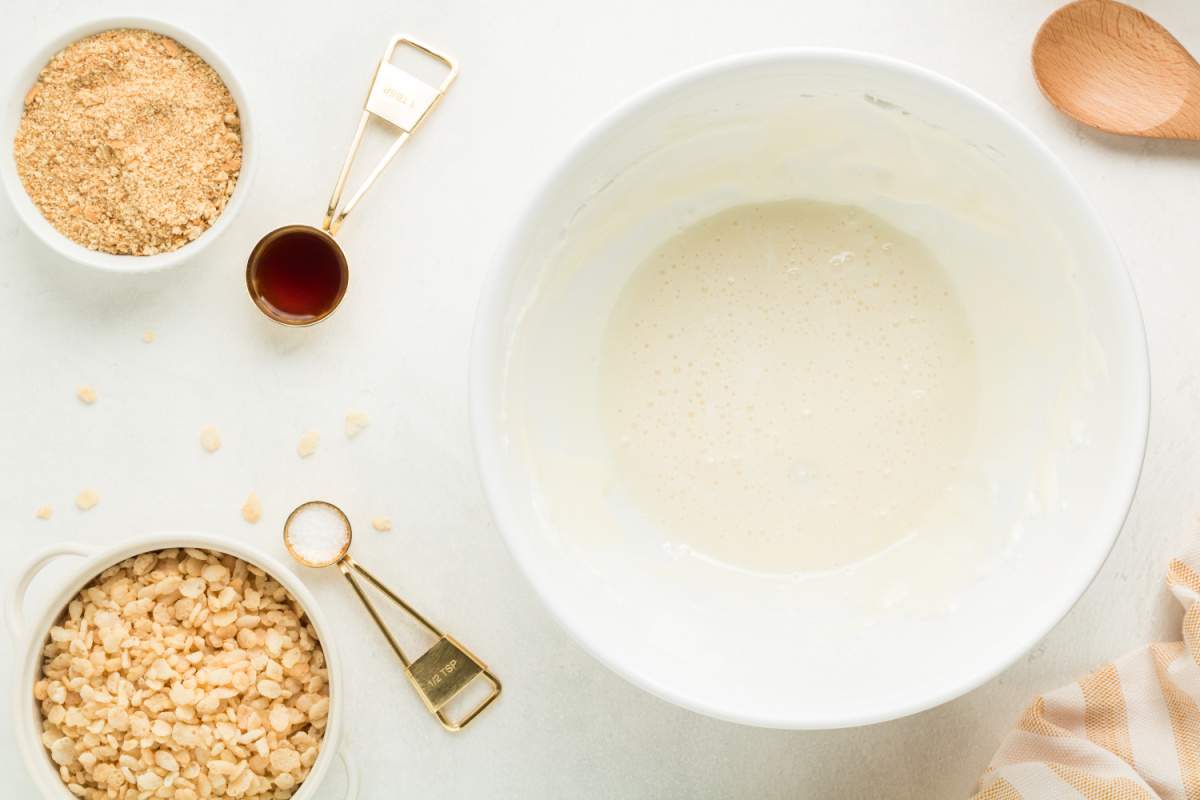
pixel 788 387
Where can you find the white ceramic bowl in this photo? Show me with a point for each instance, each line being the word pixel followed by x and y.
pixel 28 641
pixel 1062 378
pixel 14 104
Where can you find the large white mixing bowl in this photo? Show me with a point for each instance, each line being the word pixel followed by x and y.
pixel 1062 382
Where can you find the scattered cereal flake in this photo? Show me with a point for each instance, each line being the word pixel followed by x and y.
pixel 44 512
pixel 252 509
pixel 319 709
pixel 165 761
pixel 148 336
pixel 381 524
pixel 210 438
pixel 192 588
pixel 285 759
pixel 279 718
pixel 88 498
pixel 355 422
pixel 62 750
pixel 308 444
pixel 86 394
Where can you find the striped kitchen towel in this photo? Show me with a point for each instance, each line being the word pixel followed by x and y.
pixel 1128 731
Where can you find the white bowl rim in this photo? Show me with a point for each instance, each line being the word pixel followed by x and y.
pixel 483 397
pixel 100 557
pixel 128 264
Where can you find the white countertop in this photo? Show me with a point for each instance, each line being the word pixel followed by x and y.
pixel 535 75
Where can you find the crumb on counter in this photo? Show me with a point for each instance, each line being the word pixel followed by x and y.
pixel 308 444
pixel 355 422
pixel 210 438
pixel 87 499
pixel 44 512
pixel 252 509
pixel 86 395
pixel 381 524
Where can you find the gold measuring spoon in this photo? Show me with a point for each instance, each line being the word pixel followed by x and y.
pixel 297 274
pixel 317 534
pixel 1110 66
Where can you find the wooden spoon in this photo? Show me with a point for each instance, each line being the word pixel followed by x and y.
pixel 1112 67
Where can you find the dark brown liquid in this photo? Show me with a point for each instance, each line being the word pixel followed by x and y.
pixel 297 274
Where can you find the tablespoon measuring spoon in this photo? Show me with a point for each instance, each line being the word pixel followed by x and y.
pixel 297 275
pixel 317 534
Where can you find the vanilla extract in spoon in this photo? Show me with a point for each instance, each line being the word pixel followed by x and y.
pixel 297 275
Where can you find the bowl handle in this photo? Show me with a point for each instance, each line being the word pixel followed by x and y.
pixel 15 609
pixel 351 774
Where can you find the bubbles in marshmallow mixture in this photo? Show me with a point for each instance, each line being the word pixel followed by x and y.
pixel 788 386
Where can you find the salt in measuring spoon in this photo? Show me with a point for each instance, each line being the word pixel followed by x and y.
pixel 317 534
pixel 297 275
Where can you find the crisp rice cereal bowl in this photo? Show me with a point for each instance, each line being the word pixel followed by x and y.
pixel 10 119
pixel 29 639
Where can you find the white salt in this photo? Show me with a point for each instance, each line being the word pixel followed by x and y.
pixel 318 533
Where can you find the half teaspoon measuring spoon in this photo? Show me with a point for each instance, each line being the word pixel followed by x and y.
pixel 317 534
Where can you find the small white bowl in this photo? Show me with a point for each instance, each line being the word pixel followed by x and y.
pixel 28 641
pixel 1063 387
pixel 14 107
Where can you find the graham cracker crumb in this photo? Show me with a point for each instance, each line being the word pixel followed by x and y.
pixel 44 512
pixel 148 336
pixel 86 395
pixel 381 524
pixel 87 499
pixel 129 143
